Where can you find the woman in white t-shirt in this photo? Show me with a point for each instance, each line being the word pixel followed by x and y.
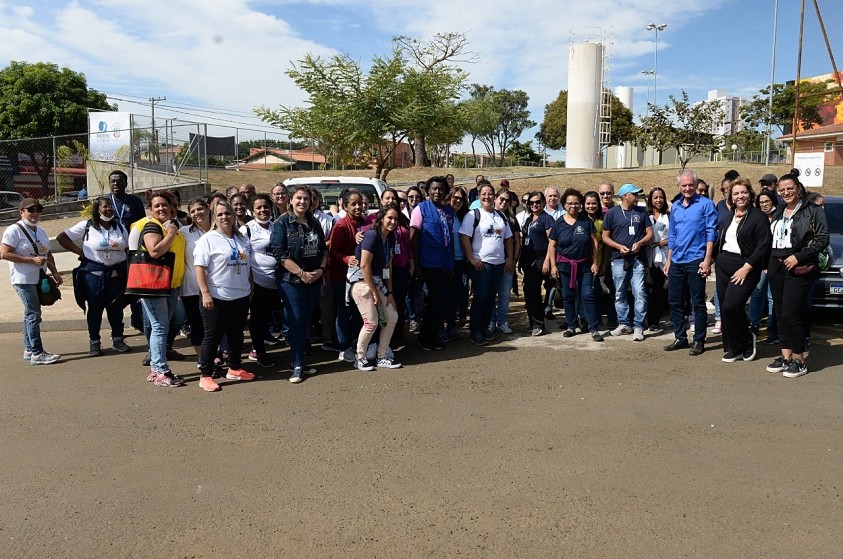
pixel 100 280
pixel 487 243
pixel 265 295
pixel 200 216
pixel 222 261
pixel 26 248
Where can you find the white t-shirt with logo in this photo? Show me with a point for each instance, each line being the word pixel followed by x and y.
pixel 106 246
pixel 22 274
pixel 227 264
pixel 487 239
pixel 263 263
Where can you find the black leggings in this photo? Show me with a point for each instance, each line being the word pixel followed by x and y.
pixel 229 318
pixel 264 302
pixel 194 318
pixel 790 301
pixel 533 279
pixel 733 298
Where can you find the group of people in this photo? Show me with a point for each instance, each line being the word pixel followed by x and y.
pixel 434 256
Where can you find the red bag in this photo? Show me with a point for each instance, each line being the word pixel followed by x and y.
pixel 148 276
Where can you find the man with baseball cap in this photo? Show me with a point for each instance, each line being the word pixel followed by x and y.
pixel 627 232
pixel 690 243
pixel 26 247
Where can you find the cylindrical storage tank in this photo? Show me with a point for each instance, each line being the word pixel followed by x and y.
pixel 624 94
pixel 585 71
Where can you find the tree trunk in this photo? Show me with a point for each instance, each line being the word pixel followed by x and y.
pixel 421 152
pixel 473 153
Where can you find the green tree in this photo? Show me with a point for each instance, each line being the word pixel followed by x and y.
pixel 523 151
pixel 41 99
pixel 554 127
pixel 682 125
pixel 479 115
pixel 812 96
pixel 512 118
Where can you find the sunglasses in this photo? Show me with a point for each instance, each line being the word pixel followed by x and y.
pixel 605 194
pixel 503 198
pixel 457 198
pixel 34 209
pixel 535 202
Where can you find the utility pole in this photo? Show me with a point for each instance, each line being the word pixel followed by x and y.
pixel 153 151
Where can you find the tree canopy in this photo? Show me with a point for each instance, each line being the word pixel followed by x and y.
pixel 812 96
pixel 40 99
pixel 511 118
pixel 411 93
pixel 682 125
pixel 554 127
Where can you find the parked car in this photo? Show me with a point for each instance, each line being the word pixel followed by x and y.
pixel 10 200
pixel 331 187
pixel 828 293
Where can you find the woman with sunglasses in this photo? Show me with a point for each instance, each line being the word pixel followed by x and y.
pixel 26 247
pixel 100 279
pixel 536 228
pixel 456 298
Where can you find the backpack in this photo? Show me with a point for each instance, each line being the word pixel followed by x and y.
pixel 477 219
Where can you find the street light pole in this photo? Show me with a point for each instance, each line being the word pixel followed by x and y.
pixel 648 73
pixel 656 28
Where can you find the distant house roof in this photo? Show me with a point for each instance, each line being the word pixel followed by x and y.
pixel 290 156
pixel 831 130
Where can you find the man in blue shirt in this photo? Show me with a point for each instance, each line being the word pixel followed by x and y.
pixel 690 243
pixel 627 232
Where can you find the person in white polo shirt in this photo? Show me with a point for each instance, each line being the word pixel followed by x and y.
pixel 26 248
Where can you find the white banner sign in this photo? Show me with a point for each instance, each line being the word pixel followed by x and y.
pixel 110 132
pixel 811 168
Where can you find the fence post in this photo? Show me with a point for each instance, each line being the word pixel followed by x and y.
pixel 55 174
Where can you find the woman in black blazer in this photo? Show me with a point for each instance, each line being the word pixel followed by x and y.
pixel 743 250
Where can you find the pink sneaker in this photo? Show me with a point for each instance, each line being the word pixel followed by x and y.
pixel 239 374
pixel 208 384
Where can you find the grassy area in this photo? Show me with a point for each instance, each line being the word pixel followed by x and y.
pixel 523 179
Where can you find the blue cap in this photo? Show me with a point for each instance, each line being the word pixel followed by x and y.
pixel 629 189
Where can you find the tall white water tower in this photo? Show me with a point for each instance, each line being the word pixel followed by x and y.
pixel 624 95
pixel 585 82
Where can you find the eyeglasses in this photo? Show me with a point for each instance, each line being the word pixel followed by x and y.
pixel 414 197
pixel 34 209
pixel 535 202
pixel 280 194
pixel 605 193
pixel 457 198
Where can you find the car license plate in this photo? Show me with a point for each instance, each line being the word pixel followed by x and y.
pixel 835 289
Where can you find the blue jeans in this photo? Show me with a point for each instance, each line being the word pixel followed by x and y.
pixel 485 283
pixel 110 301
pixel 757 300
pixel 177 320
pixel 504 293
pixel 28 294
pixel 571 295
pixel 299 303
pixel 624 279
pixel 684 278
pixel 159 311
pixel 343 325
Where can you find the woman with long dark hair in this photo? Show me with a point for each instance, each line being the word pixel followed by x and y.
pixel 298 245
pixel 657 296
pixel 800 233
pixel 371 288
pixel 415 297
pixel 536 227
pixel 743 246
pixel 100 279
pixel 200 216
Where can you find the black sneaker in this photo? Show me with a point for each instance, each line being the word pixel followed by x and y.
pixel 265 360
pixel 596 336
pixel 478 339
pixel 568 333
pixel 426 346
pixel 749 354
pixel 146 360
pixel 795 368
pixel 120 346
pixel 730 357
pixel 777 366
pixel 95 350
pixel 489 336
pixel 173 355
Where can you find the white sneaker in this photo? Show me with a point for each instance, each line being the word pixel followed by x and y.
pixel 638 335
pixel 505 328
pixel 27 355
pixel 621 330
pixel 716 329
pixel 44 358
pixel 348 355
pixel 388 363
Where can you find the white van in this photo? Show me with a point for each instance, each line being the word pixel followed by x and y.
pixel 331 187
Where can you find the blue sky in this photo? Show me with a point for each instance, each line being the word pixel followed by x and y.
pixel 231 54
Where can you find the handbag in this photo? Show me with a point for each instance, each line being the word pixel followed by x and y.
pixel 148 276
pixel 47 288
pixel 804 270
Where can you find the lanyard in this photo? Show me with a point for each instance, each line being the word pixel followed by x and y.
pixel 235 253
pixel 118 213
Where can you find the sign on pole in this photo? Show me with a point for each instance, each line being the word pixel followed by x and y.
pixel 109 131
pixel 811 168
